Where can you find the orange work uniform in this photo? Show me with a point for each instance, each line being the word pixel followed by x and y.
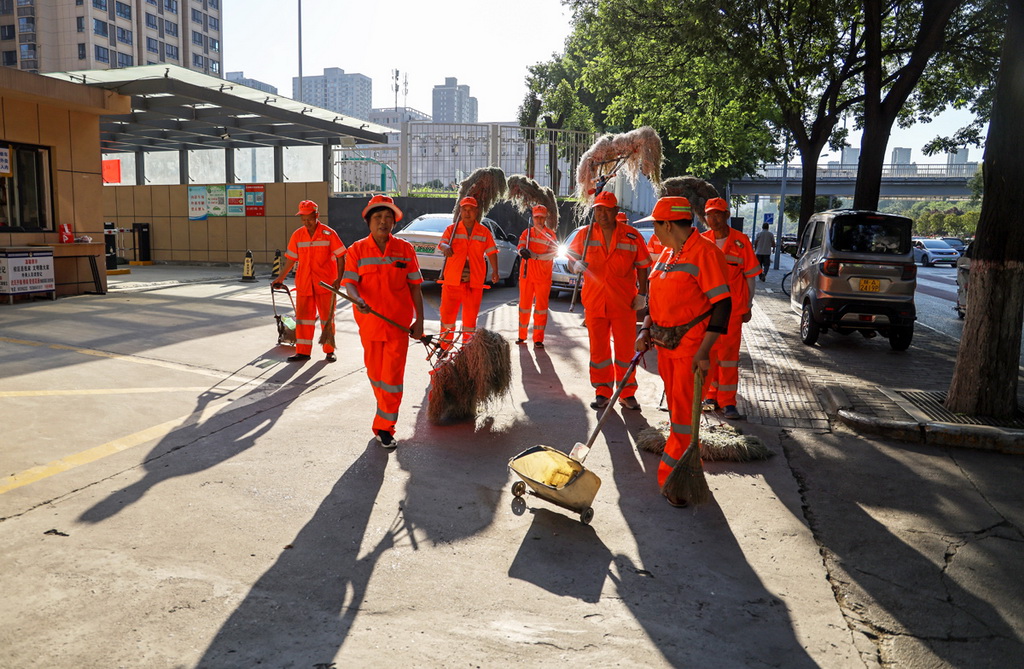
pixel 535 279
pixel 317 257
pixel 383 281
pixel 458 290
pixel 683 286
pixel 609 289
pixel 724 375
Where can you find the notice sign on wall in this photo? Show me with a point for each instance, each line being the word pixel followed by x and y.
pixel 236 200
pixel 26 271
pixel 254 194
pixel 197 210
pixel 216 201
pixel 5 161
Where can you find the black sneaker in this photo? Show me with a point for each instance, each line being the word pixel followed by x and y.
pixel 298 357
pixel 331 357
pixel 599 402
pixel 520 341
pixel 387 440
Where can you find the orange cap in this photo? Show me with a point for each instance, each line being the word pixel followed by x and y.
pixel 606 199
pixel 468 201
pixel 716 204
pixel 540 209
pixel 670 208
pixel 382 201
pixel 307 207
pixel 621 217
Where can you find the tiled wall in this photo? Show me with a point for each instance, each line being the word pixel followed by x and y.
pixel 173 237
pixel 74 141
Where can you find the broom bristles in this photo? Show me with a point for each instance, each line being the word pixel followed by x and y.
pixel 327 329
pixel 686 482
pixel 486 184
pixel 479 373
pixel 524 193
pixel 642 151
pixel 696 190
pixel 718 443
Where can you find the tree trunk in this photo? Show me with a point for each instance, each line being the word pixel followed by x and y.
pixel 873 144
pixel 985 378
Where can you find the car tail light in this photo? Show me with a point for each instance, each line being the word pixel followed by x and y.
pixel 909 272
pixel 830 268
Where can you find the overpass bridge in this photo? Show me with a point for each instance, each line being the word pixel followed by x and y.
pixel 898 180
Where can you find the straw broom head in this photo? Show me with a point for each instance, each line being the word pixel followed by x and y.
pixel 327 329
pixel 641 149
pixel 694 189
pixel 486 184
pixel 479 373
pixel 524 193
pixel 718 443
pixel 686 482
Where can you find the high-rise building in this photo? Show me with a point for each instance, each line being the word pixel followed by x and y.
pixel 348 94
pixel 59 35
pixel 453 104
pixel 240 78
pixel 394 117
pixel 957 157
pixel 900 156
pixel 849 156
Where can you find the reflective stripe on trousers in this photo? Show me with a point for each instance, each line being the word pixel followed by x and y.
pixel 678 378
pixel 724 374
pixel 307 307
pixel 385 367
pixel 533 294
pixel 454 297
pixel 606 333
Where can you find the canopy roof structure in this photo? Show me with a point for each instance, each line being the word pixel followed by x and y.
pixel 175 109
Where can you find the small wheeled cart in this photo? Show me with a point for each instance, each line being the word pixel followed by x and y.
pixel 556 478
pixel 285 323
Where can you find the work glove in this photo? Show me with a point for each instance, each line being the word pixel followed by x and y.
pixel 579 267
pixel 525 254
pixel 639 302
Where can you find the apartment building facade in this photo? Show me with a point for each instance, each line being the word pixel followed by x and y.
pixel 63 35
pixel 452 103
pixel 348 94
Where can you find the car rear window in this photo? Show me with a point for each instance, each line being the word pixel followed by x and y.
pixel 868 234
pixel 432 224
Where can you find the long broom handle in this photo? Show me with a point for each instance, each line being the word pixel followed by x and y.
pixel 611 402
pixel 695 412
pixel 426 339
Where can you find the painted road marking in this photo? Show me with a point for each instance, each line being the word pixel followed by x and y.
pixel 102 391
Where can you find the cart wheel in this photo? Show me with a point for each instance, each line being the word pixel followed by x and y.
pixel 587 516
pixel 518 489
pixel 518 506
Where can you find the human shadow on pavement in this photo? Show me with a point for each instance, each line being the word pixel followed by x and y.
pixel 213 440
pixel 691 587
pixel 301 610
pixel 922 558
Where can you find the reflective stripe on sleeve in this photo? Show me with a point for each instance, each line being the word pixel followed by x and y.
pixel 718 290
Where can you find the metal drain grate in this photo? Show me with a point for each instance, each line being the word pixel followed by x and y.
pixel 930 404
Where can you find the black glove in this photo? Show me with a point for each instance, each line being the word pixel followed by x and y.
pixel 525 254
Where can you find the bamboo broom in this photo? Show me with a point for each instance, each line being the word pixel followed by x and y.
pixel 686 483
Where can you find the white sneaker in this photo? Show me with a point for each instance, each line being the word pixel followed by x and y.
pixel 387 440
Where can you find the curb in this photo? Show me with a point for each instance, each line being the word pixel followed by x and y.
pixel 979 437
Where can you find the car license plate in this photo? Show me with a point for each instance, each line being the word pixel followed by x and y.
pixel 870 285
pixel 424 248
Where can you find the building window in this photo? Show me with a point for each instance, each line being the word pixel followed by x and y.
pixel 198 61
pixel 214 67
pixel 100 4
pixel 152 2
pixel 100 27
pixel 214 24
pixel 28 51
pixel 10 58
pixel 79 3
pixel 6 6
pixel 26 24
pixel 152 45
pixel 197 16
pixel 215 45
pixel 7 32
pixel 171 5
pixel 80 24
pixel 25 200
pixel 171 28
pixel 151 21
pixel 124 36
pixel 81 51
pixel 123 10
pixel 197 38
pixel 214 4
pixel 102 54
pixel 171 51
pixel 125 60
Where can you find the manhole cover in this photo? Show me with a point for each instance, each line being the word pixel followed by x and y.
pixel 929 407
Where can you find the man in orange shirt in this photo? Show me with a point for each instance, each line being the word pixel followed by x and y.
pixel 689 308
pixel 538 247
pixel 616 266
pixel 382 274
pixel 742 268
pixel 464 245
pixel 319 252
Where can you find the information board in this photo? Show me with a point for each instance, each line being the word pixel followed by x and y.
pixel 26 270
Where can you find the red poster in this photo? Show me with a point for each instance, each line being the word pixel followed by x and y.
pixel 254 200
pixel 112 171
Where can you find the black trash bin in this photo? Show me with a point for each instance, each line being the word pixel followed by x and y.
pixel 140 231
pixel 110 243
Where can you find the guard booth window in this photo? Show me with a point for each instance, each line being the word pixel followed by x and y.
pixel 25 197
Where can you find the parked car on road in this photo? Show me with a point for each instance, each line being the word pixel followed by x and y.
pixel 958 244
pixel 855 272
pixel 931 251
pixel 424 233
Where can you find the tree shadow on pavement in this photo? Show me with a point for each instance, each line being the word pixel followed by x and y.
pixel 283 621
pixel 924 563
pixel 215 439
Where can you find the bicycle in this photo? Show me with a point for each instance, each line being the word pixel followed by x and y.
pixel 785 283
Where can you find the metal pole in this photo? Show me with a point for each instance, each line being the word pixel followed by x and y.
pixel 754 233
pixel 782 204
pixel 302 93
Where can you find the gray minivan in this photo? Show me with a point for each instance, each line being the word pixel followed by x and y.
pixel 855 272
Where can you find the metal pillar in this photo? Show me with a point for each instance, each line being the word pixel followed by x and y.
pixel 229 166
pixel 782 204
pixel 140 168
pixel 278 164
pixel 183 171
pixel 404 158
pixel 329 166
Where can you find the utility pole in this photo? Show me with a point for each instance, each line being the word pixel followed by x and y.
pixel 782 203
pixel 394 87
pixel 302 93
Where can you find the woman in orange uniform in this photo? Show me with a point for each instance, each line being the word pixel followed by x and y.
pixel 689 309
pixel 538 247
pixel 381 273
pixel 464 245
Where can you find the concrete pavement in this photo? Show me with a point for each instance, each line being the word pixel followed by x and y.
pixel 177 495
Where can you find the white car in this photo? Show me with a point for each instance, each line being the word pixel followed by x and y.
pixel 424 233
pixel 931 251
pixel 561 277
